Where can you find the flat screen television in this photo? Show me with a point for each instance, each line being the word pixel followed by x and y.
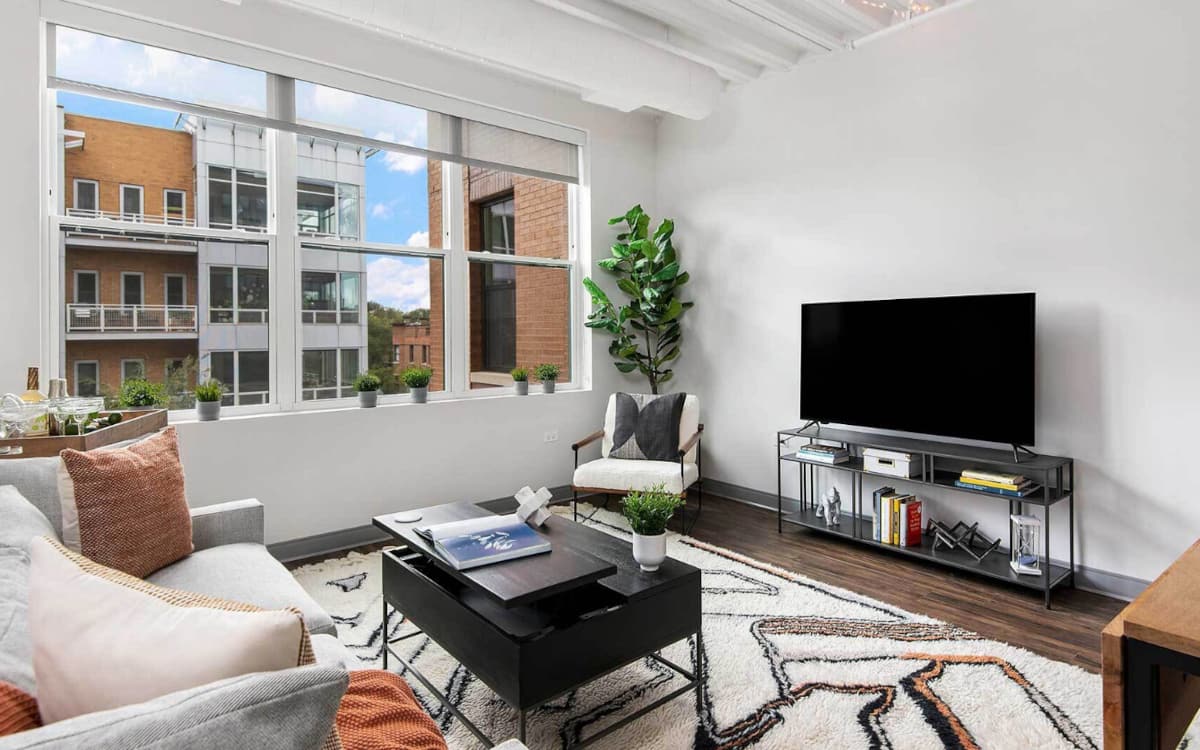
pixel 953 366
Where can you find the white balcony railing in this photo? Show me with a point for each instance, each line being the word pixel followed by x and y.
pixel 171 221
pixel 131 318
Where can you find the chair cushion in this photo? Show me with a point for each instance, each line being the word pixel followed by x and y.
pixel 126 509
pixel 380 712
pixel 37 481
pixel 647 426
pixel 16 647
pixel 620 475
pixel 20 521
pixel 18 710
pixel 689 422
pixel 244 573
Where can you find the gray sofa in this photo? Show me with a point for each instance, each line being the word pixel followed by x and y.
pixel 288 709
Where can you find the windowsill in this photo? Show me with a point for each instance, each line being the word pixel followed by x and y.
pixel 231 413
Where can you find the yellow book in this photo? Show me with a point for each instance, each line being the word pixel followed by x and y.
pixel 986 483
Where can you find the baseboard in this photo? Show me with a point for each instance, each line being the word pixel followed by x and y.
pixel 1116 585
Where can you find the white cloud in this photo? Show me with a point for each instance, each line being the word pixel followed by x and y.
pixel 381 211
pixel 331 101
pixel 406 163
pixel 418 239
pixel 402 283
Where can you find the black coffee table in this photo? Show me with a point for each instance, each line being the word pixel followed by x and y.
pixel 535 628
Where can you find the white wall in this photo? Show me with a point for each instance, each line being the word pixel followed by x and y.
pixel 1001 146
pixel 326 471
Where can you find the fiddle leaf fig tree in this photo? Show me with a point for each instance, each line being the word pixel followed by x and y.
pixel 646 331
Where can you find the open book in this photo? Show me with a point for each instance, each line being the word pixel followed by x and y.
pixel 481 541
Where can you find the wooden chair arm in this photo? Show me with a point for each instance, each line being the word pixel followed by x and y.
pixel 691 442
pixel 589 439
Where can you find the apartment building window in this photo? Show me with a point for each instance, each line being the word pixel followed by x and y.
pixel 237 198
pixel 87 288
pixel 86 198
pixel 132 369
pixel 175 289
pixel 395 352
pixel 244 375
pixel 329 297
pixel 238 294
pixel 174 206
pixel 87 378
pixel 131 202
pixel 328 209
pixel 132 288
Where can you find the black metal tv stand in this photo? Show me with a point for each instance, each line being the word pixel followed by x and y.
pixel 941 464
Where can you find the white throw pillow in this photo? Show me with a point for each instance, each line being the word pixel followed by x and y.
pixel 104 639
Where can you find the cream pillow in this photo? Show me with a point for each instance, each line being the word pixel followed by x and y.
pixel 104 639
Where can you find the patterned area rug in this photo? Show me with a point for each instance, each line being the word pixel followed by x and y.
pixel 788 663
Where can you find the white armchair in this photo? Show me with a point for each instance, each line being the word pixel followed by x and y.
pixel 607 475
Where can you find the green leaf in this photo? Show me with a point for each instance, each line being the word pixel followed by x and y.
pixel 609 264
pixel 674 353
pixel 629 287
pixel 625 367
pixel 665 229
pixel 667 273
pixel 682 278
pixel 616 220
pixel 598 295
pixel 666 375
pixel 674 310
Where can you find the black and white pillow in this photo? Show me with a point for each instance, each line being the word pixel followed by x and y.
pixel 647 426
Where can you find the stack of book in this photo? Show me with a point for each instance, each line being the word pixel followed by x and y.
pixel 1009 485
pixel 826 454
pixel 898 518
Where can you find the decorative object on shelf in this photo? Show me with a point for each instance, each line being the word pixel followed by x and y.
pixel 520 377
pixel 39 423
pixel 547 373
pixel 963 537
pixel 208 400
pixel 417 379
pixel 826 454
pixel 647 269
pixel 648 512
pixel 891 463
pixel 1027 545
pixel 830 507
pixel 532 509
pixel 367 384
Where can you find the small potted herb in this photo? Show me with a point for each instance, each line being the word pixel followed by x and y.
pixel 520 378
pixel 417 379
pixel 139 393
pixel 367 385
pixel 648 512
pixel 208 400
pixel 547 373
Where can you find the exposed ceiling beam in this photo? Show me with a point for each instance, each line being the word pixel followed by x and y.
pixel 830 37
pixel 859 23
pixel 717 30
pixel 751 15
pixel 660 35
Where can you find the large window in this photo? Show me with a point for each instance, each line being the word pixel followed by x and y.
pixel 406 219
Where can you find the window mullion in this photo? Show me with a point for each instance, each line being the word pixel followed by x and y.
pixel 284 330
pixel 457 275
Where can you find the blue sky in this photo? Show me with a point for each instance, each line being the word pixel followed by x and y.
pixel 396 197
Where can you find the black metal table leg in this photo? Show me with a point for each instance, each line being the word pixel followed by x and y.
pixel 383 636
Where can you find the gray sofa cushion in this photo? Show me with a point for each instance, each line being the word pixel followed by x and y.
pixel 37 480
pixel 20 521
pixel 293 709
pixel 16 648
pixel 244 573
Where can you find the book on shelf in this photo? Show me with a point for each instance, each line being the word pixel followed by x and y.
pixel 995 485
pixel 992 476
pixel 819 448
pixel 876 500
pixel 1023 492
pixel 474 542
pixel 822 459
pixel 911 516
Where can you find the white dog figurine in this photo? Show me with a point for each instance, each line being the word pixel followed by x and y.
pixel 830 507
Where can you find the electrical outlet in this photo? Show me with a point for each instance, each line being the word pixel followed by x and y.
pixel 551 436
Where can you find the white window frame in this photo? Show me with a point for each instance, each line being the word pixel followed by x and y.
pixel 166 287
pixel 233 390
pixel 167 218
pixel 309 317
pixel 75 373
pixel 233 196
pixel 337 204
pixel 339 375
pixel 264 316
pixel 75 288
pixel 141 276
pixel 75 196
pixel 131 360
pixel 140 215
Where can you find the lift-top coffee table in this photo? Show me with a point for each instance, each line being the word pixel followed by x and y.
pixel 535 628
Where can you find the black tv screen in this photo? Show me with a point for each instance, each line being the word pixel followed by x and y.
pixel 954 366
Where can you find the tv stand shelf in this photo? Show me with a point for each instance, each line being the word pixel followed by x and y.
pixel 941 463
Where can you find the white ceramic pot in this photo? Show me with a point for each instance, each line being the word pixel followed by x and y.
pixel 650 551
pixel 547 386
pixel 522 387
pixel 208 411
pixel 368 399
pixel 419 395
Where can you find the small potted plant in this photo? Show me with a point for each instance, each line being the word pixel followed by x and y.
pixel 648 512
pixel 520 378
pixel 547 373
pixel 208 400
pixel 367 385
pixel 417 379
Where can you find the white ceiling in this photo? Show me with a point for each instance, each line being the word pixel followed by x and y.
pixel 674 56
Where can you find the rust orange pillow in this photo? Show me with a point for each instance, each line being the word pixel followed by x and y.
pixel 18 710
pixel 125 508
pixel 380 712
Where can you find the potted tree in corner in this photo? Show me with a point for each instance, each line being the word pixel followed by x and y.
pixel 547 373
pixel 520 378
pixel 417 379
pixel 648 512
pixel 208 400
pixel 367 385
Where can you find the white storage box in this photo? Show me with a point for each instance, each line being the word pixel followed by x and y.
pixel 891 463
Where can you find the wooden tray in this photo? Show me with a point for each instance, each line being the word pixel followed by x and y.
pixel 133 424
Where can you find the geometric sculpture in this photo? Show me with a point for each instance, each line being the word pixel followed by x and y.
pixel 532 508
pixel 1027 545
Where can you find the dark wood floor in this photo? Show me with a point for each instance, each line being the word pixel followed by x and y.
pixel 1069 632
